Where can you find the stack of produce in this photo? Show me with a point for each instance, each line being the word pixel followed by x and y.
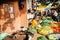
pixel 56 29
pixel 32 28
pixel 53 24
pixel 46 26
pixel 42 38
pixel 44 22
pixel 34 23
pixel 45 30
pixel 52 37
pixel 48 37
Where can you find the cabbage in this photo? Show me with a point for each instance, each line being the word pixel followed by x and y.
pixel 52 37
pixel 32 28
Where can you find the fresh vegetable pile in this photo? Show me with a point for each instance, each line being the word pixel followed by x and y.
pixel 45 30
pixel 48 37
pixel 42 38
pixel 47 26
pixel 52 37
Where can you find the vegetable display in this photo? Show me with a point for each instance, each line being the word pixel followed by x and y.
pixel 52 37
pixel 45 27
pixel 45 30
pixel 42 38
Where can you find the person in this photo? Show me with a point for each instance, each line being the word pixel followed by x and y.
pixel 30 15
pixel 38 14
pixel 54 16
pixel 44 13
pixel 29 10
pixel 48 13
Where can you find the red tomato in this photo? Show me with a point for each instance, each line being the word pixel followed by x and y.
pixel 54 29
pixel 59 29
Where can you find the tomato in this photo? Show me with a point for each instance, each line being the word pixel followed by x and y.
pixel 54 29
pixel 59 29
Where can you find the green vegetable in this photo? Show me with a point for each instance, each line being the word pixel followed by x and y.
pixel 45 22
pixel 45 30
pixel 43 18
pixel 42 38
pixel 52 36
pixel 49 18
pixel 32 28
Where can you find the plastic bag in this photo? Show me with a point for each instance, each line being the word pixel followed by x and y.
pixel 3 35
